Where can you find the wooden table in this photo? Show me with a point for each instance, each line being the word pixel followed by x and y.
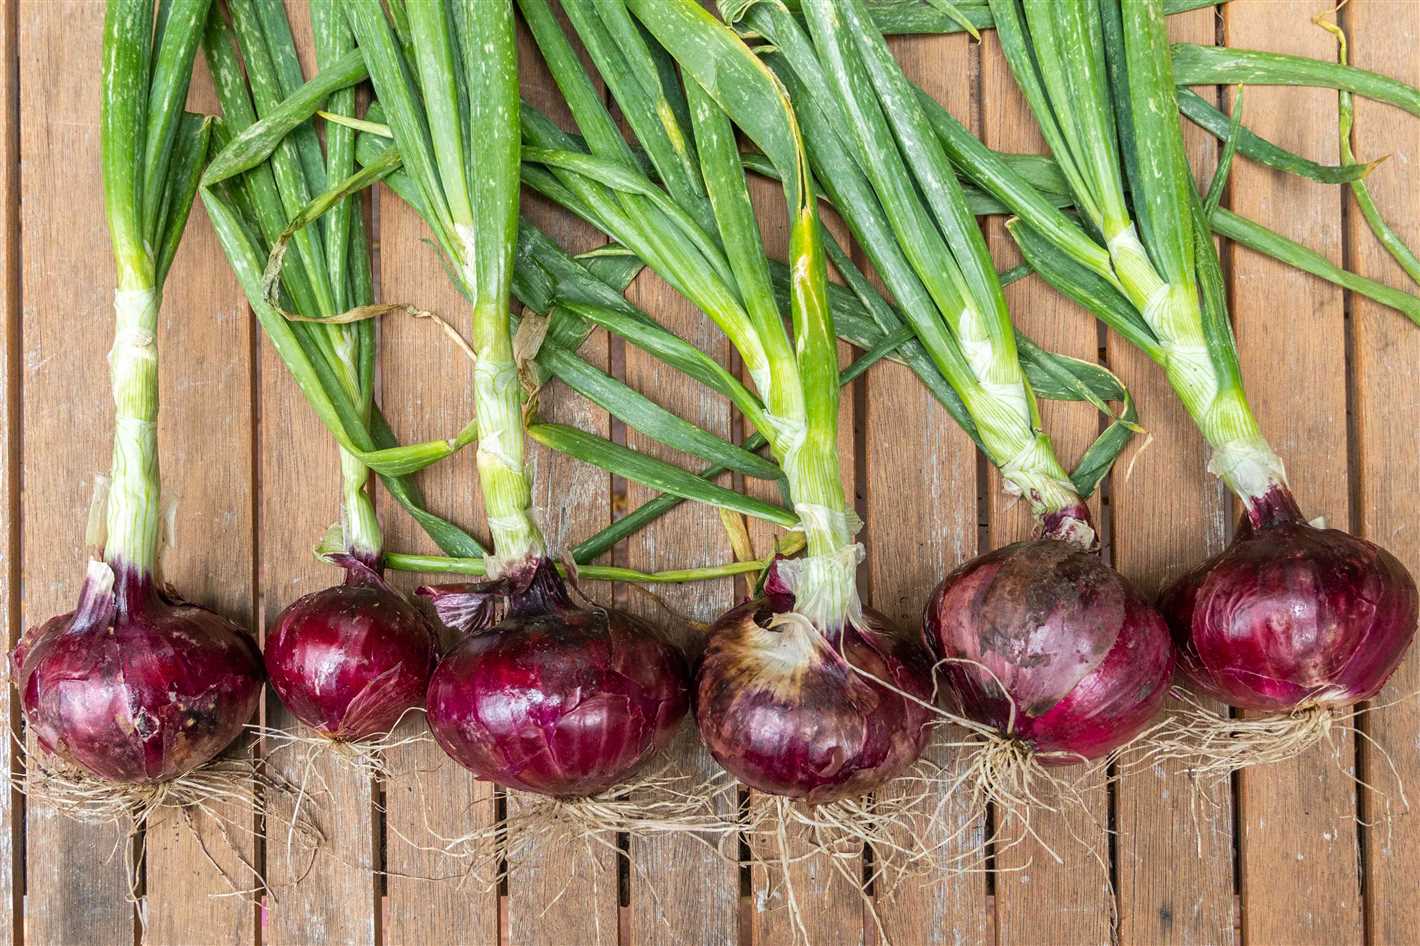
pixel 1290 858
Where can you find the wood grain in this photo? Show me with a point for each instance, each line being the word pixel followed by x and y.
pixel 297 494
pixel 1053 888
pixel 1175 867
pixel 1386 347
pixel 76 893
pixel 205 435
pixel 1297 820
pixel 680 892
pixel 11 800
pixel 915 536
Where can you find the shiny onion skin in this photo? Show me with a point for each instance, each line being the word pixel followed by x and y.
pixel 1086 661
pixel 350 660
pixel 781 710
pixel 548 697
pixel 136 686
pixel 1289 615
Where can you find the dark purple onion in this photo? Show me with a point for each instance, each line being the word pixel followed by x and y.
pixel 546 696
pixel 136 685
pixel 350 660
pixel 1291 615
pixel 781 709
pixel 1085 660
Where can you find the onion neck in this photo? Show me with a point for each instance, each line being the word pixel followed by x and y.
pixel 502 473
pixel 134 516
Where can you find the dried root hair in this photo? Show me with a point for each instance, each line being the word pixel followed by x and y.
pixel 657 802
pixel 202 799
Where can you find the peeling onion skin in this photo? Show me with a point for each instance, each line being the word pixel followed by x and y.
pixel 1289 615
pixel 781 711
pixel 553 698
pixel 1085 659
pixel 137 686
pixel 350 660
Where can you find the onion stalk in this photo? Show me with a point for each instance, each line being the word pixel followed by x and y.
pixel 1290 618
pixel 539 695
pixel 133 695
pixel 1052 658
pixel 352 659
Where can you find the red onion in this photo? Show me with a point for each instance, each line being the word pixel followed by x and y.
pixel 793 711
pixel 350 660
pixel 546 696
pixel 136 685
pixel 1049 645
pixel 1290 615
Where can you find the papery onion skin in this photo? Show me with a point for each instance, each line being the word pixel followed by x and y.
pixel 1083 657
pixel 781 710
pixel 1290 615
pixel 351 659
pixel 138 687
pixel 553 698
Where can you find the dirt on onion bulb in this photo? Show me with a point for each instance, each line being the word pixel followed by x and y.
pixel 1047 645
pixel 794 711
pixel 350 660
pixel 546 696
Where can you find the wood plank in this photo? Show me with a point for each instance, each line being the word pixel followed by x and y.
pixel 206 431
pixel 298 490
pixel 829 898
pixel 1175 872
pixel 553 898
pixel 1037 898
pixel 12 811
pixel 679 890
pixel 1386 347
pixel 1296 821
pixel 76 893
pixel 916 534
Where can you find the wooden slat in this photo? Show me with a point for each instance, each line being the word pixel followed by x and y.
pixel 553 898
pixel 11 801
pixel 921 523
pixel 679 890
pixel 1175 869
pixel 1386 347
pixel 75 893
pixel 1032 885
pixel 297 495
pixel 1297 827
pixel 206 440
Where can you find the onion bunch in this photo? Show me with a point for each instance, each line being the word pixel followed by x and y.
pixel 1291 618
pixel 131 693
pixel 539 694
pixel 351 659
pixel 1050 655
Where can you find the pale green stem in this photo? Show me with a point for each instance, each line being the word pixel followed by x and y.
pixel 134 515
pixel 359 525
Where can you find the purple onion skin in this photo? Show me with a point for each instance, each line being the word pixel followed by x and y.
pixel 1290 615
pixel 781 710
pixel 1085 659
pixel 137 686
pixel 552 698
pixel 350 660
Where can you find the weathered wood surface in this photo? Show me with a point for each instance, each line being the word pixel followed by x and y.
pixel 1284 862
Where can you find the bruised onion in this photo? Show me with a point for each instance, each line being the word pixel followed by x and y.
pixel 548 697
pixel 1291 615
pixel 1046 644
pixel 136 685
pixel 795 712
pixel 351 659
